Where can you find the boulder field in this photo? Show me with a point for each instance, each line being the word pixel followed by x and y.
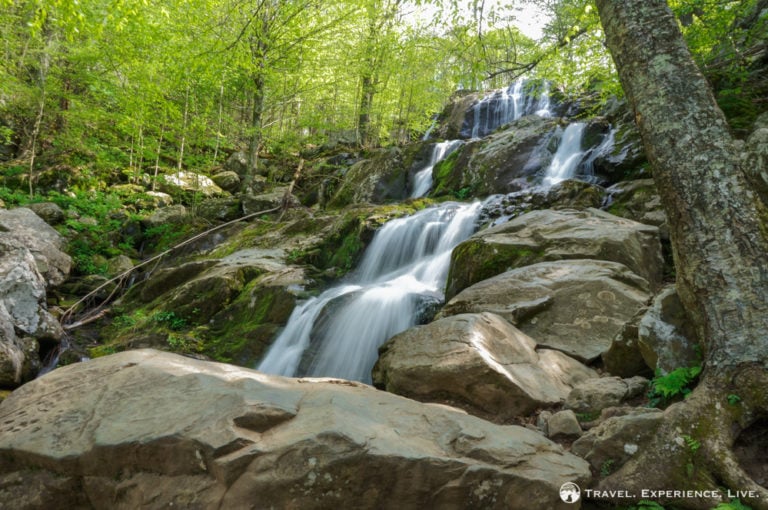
pixel 148 429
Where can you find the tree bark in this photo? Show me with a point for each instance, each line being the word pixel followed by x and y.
pixel 719 240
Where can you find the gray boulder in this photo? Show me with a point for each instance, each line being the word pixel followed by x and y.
pixel 666 337
pixel 563 425
pixel 623 357
pixel 638 200
pixel 574 306
pixel 154 200
pixel 185 181
pixel 51 213
pixel 615 440
pixel 594 395
pixel 500 163
pixel 381 177
pixel 171 214
pixel 227 180
pixel 556 235
pixel 478 362
pixel 150 429
pixel 22 227
pixel 23 312
pixel 237 162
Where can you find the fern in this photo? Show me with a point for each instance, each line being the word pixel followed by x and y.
pixel 674 384
pixel 734 504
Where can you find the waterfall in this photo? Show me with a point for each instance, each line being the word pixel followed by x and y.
pixel 603 149
pixel 422 180
pixel 543 105
pixel 568 155
pixel 506 105
pixel 403 272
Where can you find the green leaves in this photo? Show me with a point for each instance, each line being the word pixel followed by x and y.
pixel 672 385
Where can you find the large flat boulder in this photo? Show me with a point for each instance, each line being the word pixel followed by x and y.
pixel 478 362
pixel 556 235
pixel 145 429
pixel 574 306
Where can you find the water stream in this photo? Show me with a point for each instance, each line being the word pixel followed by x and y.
pixel 422 180
pixel 506 105
pixel 568 156
pixel 401 277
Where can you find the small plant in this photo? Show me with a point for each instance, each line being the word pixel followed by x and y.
pixel 463 193
pixel 675 384
pixel 171 320
pixel 645 504
pixel 607 468
pixel 177 343
pixel 124 321
pixel 734 504
pixel 692 443
pixel 733 399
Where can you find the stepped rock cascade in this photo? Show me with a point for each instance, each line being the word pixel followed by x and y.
pixel 403 271
pixel 504 106
pixel 604 149
pixel 422 180
pixel 568 156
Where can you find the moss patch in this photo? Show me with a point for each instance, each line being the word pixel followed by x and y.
pixel 475 260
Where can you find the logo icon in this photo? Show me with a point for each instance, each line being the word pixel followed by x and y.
pixel 570 492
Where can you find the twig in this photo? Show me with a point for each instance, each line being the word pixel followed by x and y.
pixel 122 275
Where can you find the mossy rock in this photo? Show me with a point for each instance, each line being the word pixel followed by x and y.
pixel 549 235
pixel 380 178
pixel 496 164
pixel 242 332
pixel 474 260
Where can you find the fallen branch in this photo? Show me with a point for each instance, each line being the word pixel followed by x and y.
pixel 99 312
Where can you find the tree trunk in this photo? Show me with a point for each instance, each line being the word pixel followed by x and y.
pixel 368 90
pixel 719 241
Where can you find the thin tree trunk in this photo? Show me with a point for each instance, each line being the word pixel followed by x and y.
pixel 184 128
pixel 33 142
pixel 157 157
pixel 719 239
pixel 218 124
pixel 140 162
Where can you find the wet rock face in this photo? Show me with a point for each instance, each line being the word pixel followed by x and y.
pixel 501 163
pixel 195 434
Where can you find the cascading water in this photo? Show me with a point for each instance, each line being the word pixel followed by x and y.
pixel 568 155
pixel 543 105
pixel 422 180
pixel 507 105
pixel 602 150
pixel 403 271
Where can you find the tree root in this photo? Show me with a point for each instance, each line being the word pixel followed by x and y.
pixel 693 448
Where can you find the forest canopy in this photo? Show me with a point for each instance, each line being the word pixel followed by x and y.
pixel 126 87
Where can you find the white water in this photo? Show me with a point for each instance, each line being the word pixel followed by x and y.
pixel 422 180
pixel 337 334
pixel 507 105
pixel 542 107
pixel 604 149
pixel 568 155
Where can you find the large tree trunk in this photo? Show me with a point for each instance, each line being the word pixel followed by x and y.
pixel 719 240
